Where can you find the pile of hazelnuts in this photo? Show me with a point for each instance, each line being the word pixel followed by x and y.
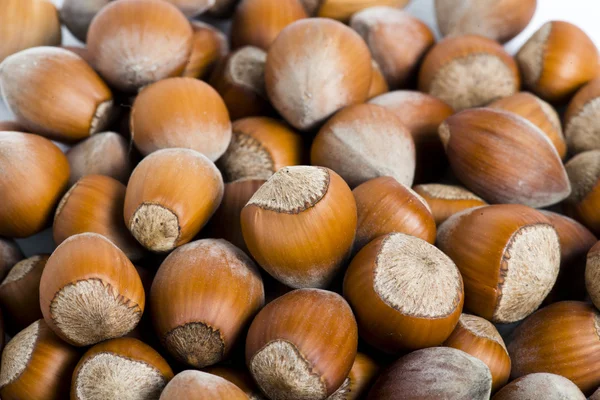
pixel 323 203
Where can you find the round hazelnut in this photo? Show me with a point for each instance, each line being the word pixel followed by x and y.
pixel 34 176
pixel 479 338
pixel 209 46
pixel 137 42
pixel 386 206
pixel 240 377
pixel 77 15
pixel 120 368
pixel 562 339
pixel 360 379
pixel 36 364
pixel 504 158
pixel 584 175
pixel 542 60
pixel 540 386
pixel 509 258
pixel 397 41
pixel 10 254
pixel 55 93
pixel 446 200
pixel 95 204
pixel 306 99
pixel 356 144
pixel 499 20
pixel 468 71
pixel 90 291
pixel 196 385
pixel 434 373
pixel 379 85
pixel 171 195
pixel 180 113
pixel 405 293
pixel 581 127
pixel 289 347
pixel 343 10
pixel 300 225
pixel 592 274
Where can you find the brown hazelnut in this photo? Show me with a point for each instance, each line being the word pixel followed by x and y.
pixel 584 175
pixel 540 386
pixel 10 254
pixel 360 379
pixel 379 85
pixel 209 46
pixel 581 119
pixel 592 274
pixel 196 385
pixel 446 200
pixel 342 10
pixel 240 377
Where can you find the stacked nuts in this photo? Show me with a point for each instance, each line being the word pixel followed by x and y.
pixel 327 203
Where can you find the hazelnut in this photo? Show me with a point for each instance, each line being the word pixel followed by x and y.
pixel 397 41
pixel 584 174
pixel 499 20
pixel 273 17
pixel 386 206
pixel 542 60
pixel 356 144
pixel 77 15
pixel 509 270
pixel 54 92
pixel 95 204
pixel 306 99
pixel 203 297
pixel 379 85
pixel 34 175
pixel 342 10
pixel 260 147
pixel 468 71
pixel 405 293
pixel 504 158
pixel 540 386
pixel 28 23
pixel 240 377
pixel 479 338
pixel 422 114
pixel 120 368
pixel 36 364
pixel 137 42
pixel 180 113
pixel 171 195
pixel 581 119
pixel 240 80
pixel 446 200
pixel 192 8
pixel 539 113
pixel 90 291
pixel 10 254
pixel 209 46
pixel 106 153
pixel 289 347
pixel 360 379
pixel 300 225
pixel 196 385
pixel 434 373
pixel 12 126
pixel 592 274
pixel 562 339
pixel 20 293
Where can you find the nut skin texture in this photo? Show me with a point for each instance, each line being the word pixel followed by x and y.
pixel 583 136
pixel 310 320
pixel 541 386
pixel 209 46
pixel 48 371
pixel 452 50
pixel 484 262
pixel 486 146
pixel 86 257
pixel 585 179
pixel 385 206
pixel 592 271
pixel 305 248
pixel 10 254
pixel 379 85
pixel 556 80
pixel 27 208
pixel 274 16
pixel 208 282
pixel 488 348
pixel 28 23
pixel 240 377
pixel 342 10
pixel 55 93
pixel 180 113
pixel 192 194
pixel 77 15
pixel 499 20
pixel 397 41
pixel 355 143
pixel 196 385
pixel 126 347
pixel 130 47
pixel 443 206
pixel 422 114
pixel 561 339
pixel 434 373
pixel 341 55
pixel 95 204
pixel 539 113
pixel 360 379
pixel 383 326
pixel 20 299
pixel 575 242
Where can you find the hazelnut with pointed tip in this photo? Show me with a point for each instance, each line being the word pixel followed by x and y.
pixel 196 385
pixel 446 200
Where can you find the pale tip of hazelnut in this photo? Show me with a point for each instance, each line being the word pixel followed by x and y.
pixel 444 134
pixel 102 117
pixel 21 269
pixel 17 353
pixel 531 55
pixel 482 328
pixel 246 157
pixel 247 69
pixel 155 227
pixel 196 343
pixel 582 131
pixel 583 171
